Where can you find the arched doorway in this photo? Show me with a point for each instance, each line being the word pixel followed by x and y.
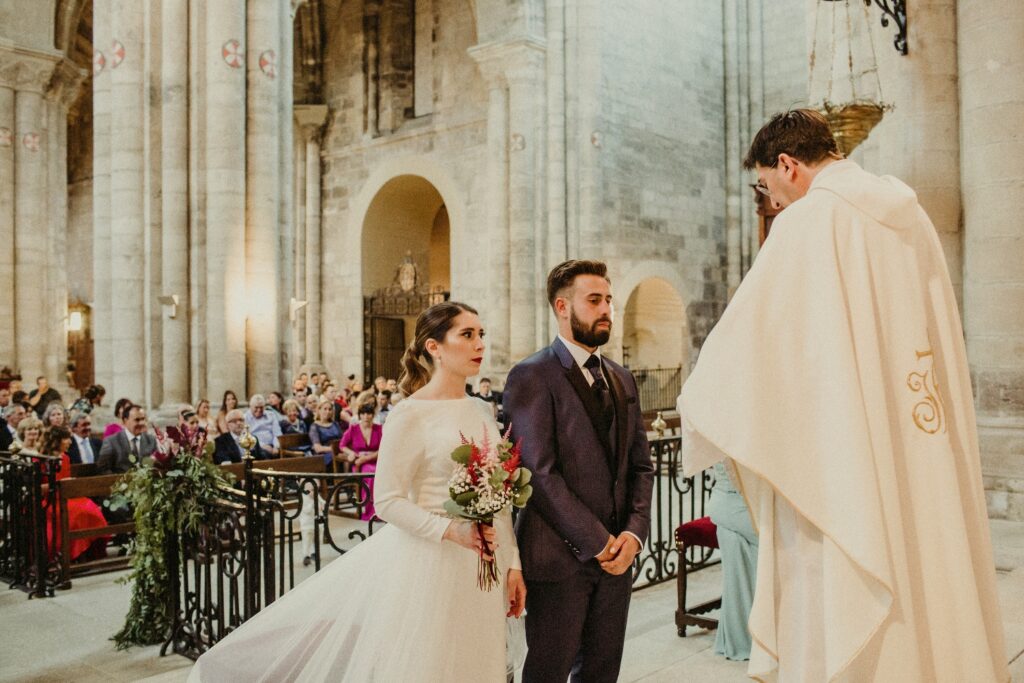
pixel 406 257
pixel 655 342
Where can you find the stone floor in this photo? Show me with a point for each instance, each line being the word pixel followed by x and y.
pixel 66 638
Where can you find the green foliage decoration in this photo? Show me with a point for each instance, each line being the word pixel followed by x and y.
pixel 169 498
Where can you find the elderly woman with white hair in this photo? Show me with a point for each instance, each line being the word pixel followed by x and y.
pixel 262 425
pixel 55 415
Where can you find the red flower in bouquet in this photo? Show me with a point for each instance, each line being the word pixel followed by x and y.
pixel 487 479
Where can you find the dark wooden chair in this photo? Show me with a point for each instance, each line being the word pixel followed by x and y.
pixel 290 445
pixel 702 533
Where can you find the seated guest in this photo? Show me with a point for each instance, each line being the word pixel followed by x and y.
pixel 324 430
pixel 5 398
pixel 261 425
pixel 206 421
pixel 90 399
pixel 308 414
pixel 82 512
pixel 359 446
pixel 737 542
pixel 383 407
pixel 292 422
pixel 84 446
pixel 120 415
pixel 341 412
pixel 275 405
pixel 42 396
pixel 188 421
pixel 392 386
pixel 225 446
pixel 13 415
pixel 127 448
pixel 227 404
pixel 299 390
pixel 30 435
pixel 55 416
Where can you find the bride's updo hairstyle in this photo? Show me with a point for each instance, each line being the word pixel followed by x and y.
pixel 433 323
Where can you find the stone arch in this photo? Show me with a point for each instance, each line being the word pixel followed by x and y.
pixel 406 206
pixel 654 329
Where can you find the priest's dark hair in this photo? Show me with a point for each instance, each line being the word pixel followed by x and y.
pixel 564 275
pixel 433 323
pixel 803 134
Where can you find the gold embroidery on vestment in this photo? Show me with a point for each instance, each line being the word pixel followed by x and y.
pixel 928 413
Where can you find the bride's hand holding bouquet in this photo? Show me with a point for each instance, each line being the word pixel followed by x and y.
pixel 487 479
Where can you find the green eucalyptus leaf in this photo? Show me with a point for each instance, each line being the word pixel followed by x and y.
pixel 466 498
pixel 462 453
pixel 523 476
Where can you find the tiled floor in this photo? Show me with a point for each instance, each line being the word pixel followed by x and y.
pixel 66 638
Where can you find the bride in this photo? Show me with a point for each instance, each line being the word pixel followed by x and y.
pixel 403 605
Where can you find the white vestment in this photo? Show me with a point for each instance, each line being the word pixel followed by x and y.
pixel 837 382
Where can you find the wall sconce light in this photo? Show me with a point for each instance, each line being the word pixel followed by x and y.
pixel 170 300
pixel 75 321
pixel 294 306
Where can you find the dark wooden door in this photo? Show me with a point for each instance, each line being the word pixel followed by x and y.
pixel 387 344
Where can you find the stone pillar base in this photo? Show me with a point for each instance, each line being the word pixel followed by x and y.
pixel 1002 465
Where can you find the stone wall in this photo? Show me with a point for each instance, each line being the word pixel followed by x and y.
pixel 658 147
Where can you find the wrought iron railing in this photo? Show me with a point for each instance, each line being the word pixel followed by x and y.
pixel 28 523
pixel 659 387
pixel 676 499
pixel 243 557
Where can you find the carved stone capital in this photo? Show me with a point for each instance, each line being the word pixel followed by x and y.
pixel 66 83
pixel 310 119
pixel 27 70
pixel 511 60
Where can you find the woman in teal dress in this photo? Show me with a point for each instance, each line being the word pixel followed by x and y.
pixel 737 543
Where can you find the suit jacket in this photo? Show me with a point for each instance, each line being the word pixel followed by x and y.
pixel 114 454
pixel 588 482
pixel 6 438
pixel 75 455
pixel 226 450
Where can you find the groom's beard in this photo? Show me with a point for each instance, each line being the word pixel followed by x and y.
pixel 590 336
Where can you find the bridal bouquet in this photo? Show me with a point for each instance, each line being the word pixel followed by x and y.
pixel 487 479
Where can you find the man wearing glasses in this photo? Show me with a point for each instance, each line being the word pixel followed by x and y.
pixel 837 383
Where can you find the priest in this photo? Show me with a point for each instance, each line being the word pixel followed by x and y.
pixel 836 382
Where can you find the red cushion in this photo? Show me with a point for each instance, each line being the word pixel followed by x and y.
pixel 702 532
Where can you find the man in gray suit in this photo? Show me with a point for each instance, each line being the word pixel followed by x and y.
pixel 126 449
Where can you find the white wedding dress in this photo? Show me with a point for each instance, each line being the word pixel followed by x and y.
pixel 403 605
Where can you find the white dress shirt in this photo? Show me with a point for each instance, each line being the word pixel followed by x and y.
pixel 85 450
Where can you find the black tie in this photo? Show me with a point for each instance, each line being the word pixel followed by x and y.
pixel 600 387
pixel 135 447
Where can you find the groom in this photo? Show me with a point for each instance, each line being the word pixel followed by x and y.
pixel 578 417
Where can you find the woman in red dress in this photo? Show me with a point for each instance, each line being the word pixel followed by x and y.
pixel 359 446
pixel 82 512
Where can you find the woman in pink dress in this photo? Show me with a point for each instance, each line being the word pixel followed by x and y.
pixel 121 409
pixel 359 446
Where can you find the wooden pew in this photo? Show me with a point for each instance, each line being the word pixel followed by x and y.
pixel 291 443
pixel 96 486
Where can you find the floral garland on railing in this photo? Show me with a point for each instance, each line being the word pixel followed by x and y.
pixel 168 498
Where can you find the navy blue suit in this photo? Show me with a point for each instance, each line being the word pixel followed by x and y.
pixel 591 479
pixel 75 456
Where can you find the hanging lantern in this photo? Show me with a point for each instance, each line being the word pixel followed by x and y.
pixel 853 115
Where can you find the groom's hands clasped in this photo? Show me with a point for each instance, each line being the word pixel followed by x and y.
pixel 619 553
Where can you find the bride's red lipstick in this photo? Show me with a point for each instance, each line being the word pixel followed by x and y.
pixel 478 360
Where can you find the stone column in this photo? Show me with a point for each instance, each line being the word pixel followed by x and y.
pixel 263 193
pixel 991 59
pixel 311 118
pixel 525 75
pixel 286 177
pixel 102 269
pixel 127 200
pixel 299 248
pixel 489 59
pixel 65 87
pixel 31 219
pixel 8 73
pixel 174 141
pixel 224 174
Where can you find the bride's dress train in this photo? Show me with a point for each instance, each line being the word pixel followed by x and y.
pixel 403 605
